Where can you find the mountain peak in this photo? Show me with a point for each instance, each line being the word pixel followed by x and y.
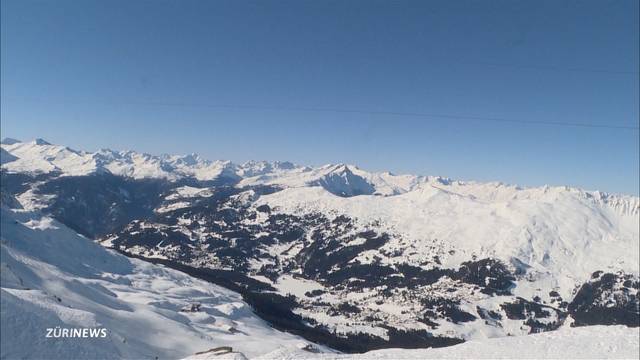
pixel 341 181
pixel 10 141
pixel 39 141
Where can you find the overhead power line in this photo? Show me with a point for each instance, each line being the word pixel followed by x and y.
pixel 388 113
pixel 360 111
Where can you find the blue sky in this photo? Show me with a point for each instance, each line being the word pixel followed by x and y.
pixel 155 76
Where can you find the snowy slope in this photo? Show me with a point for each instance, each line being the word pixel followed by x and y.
pixel 595 342
pixel 53 277
pixel 555 232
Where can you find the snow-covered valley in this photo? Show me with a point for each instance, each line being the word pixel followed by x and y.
pixel 53 277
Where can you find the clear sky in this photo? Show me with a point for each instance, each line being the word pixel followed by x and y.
pixel 239 80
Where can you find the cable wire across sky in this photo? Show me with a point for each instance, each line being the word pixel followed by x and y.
pixel 398 113
pixel 385 113
pixel 354 111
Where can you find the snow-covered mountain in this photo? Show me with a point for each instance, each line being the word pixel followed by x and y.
pixel 348 258
pixel 53 278
pixel 40 157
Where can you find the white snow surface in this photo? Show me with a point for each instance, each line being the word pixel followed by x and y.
pixel 593 342
pixel 562 234
pixel 52 276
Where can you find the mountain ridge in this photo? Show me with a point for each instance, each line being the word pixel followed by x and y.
pixel 41 157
